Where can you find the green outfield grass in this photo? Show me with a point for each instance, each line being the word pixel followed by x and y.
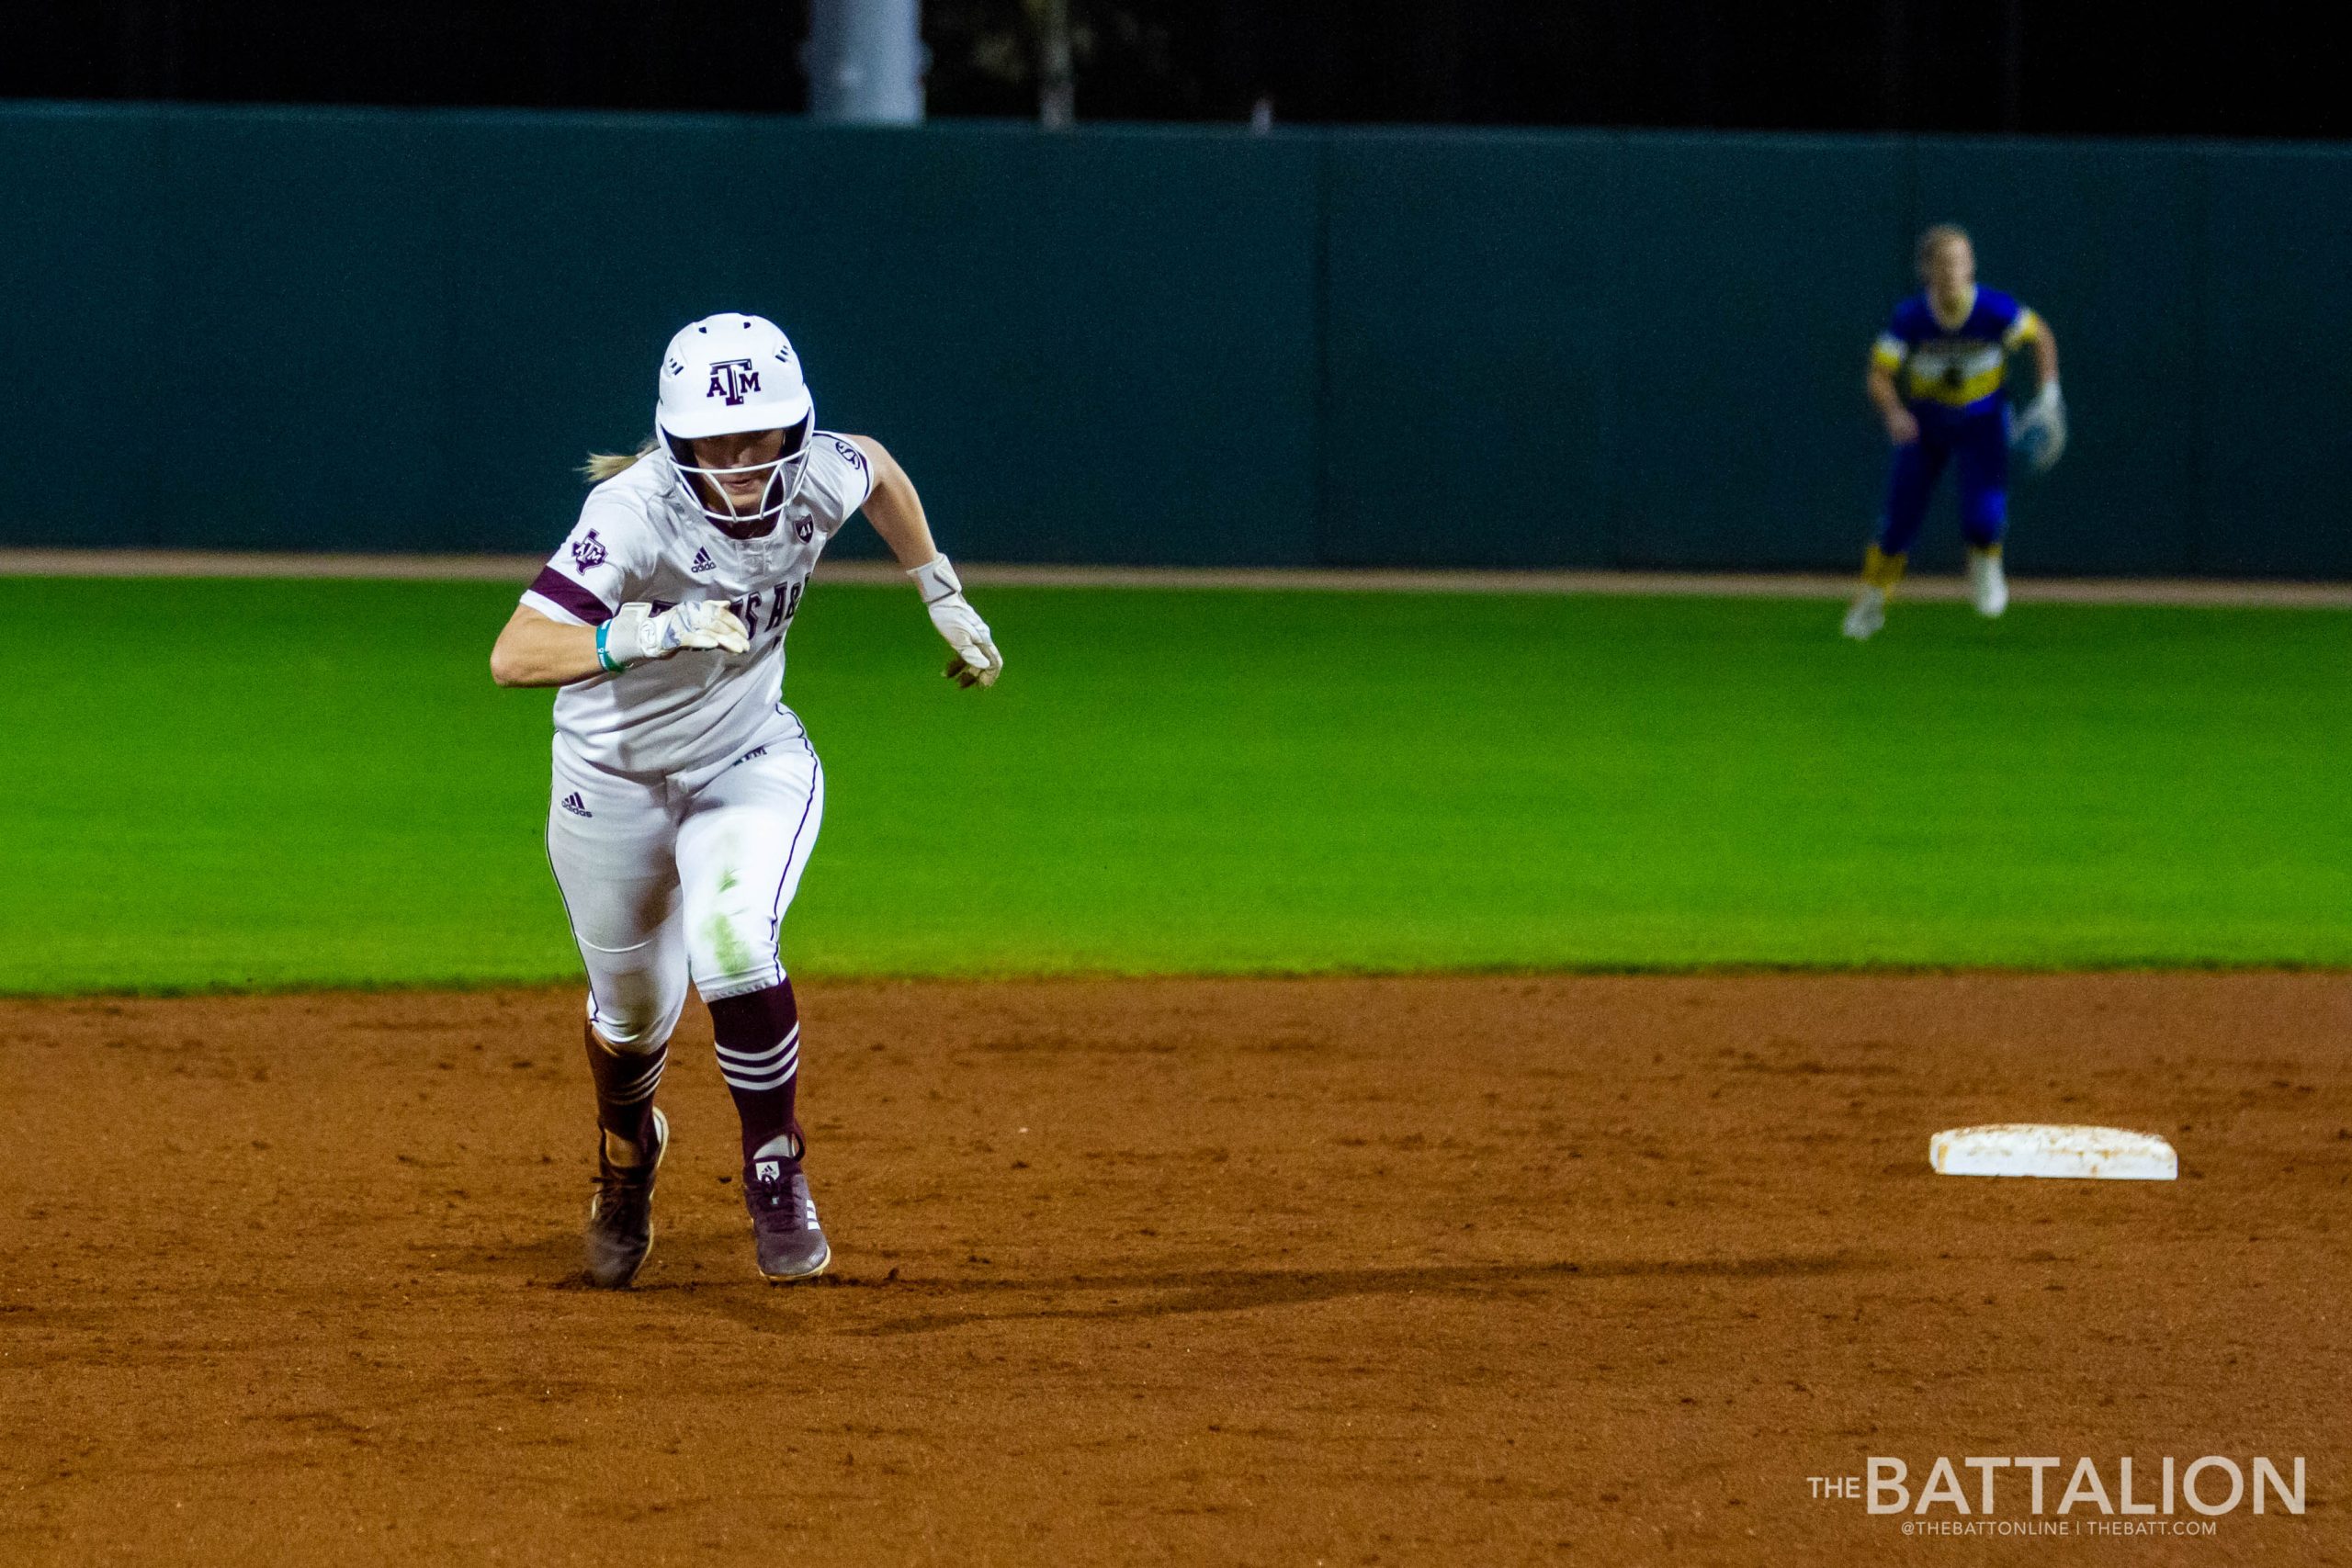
pixel 288 783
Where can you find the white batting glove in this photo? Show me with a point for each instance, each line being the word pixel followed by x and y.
pixel 977 661
pixel 638 633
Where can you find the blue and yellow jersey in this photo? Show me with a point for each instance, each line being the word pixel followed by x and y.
pixel 1956 369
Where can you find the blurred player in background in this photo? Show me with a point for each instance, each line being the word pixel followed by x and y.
pixel 1936 377
pixel 688 796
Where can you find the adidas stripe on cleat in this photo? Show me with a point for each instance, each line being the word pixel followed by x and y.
pixel 785 1234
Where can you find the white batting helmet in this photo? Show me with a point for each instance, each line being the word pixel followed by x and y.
pixel 725 376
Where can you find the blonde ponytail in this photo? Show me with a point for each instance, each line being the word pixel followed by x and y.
pixel 602 466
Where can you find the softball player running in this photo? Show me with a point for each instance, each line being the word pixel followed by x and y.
pixel 686 795
pixel 1935 377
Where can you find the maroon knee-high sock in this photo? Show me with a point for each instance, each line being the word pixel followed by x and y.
pixel 625 1084
pixel 759 1055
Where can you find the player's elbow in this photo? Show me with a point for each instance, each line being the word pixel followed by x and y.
pixel 506 665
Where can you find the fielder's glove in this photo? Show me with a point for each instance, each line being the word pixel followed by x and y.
pixel 2041 431
pixel 638 633
pixel 977 661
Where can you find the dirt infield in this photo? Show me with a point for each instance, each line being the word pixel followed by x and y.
pixel 1475 1270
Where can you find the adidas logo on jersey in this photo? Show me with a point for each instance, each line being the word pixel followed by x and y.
pixel 703 562
pixel 577 806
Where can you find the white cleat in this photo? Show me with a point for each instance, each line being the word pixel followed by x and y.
pixel 1868 614
pixel 1987 588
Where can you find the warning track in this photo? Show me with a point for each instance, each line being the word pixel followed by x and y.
pixel 1291 580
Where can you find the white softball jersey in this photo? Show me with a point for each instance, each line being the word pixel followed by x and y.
pixel 641 538
pixel 686 798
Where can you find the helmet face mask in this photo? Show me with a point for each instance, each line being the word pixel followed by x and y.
pixel 783 474
pixel 735 375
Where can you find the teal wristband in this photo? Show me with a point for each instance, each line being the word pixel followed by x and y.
pixel 604 658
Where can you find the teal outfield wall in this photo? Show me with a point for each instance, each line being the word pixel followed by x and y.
pixel 400 330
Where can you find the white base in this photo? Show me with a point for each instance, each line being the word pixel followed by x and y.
pixel 2030 1148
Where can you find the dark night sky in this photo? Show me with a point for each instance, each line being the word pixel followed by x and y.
pixel 2257 69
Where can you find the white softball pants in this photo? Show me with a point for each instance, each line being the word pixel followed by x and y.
pixel 663 884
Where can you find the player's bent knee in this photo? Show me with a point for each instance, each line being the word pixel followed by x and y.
pixel 634 1035
pixel 633 1021
pixel 717 985
pixel 723 988
pixel 733 968
pixel 733 951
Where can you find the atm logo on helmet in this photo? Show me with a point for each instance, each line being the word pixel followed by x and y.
pixel 733 379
